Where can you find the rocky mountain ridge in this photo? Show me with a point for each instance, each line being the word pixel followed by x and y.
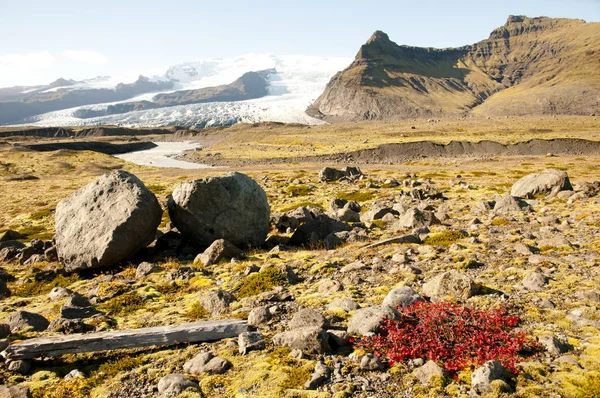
pixel 528 66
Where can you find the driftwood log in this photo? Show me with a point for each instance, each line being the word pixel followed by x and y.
pixel 133 338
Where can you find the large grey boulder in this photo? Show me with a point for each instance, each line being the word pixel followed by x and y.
pixel 310 339
pixel 430 369
pixel 402 296
pixel 105 222
pixel 367 321
pixel 482 377
pixel 233 207
pixel 548 182
pixel 23 320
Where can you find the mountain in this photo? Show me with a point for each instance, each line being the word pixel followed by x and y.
pixel 212 92
pixel 528 66
pixel 63 94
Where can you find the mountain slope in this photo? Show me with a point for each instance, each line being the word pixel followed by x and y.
pixel 528 66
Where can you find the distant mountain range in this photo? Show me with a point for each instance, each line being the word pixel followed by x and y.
pixel 529 66
pixel 252 88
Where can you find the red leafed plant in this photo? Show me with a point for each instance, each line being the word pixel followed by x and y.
pixel 456 336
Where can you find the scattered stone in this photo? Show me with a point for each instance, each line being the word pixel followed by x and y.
pixel 554 346
pixel 259 316
pixel 311 340
pixel 482 377
pixel 401 297
pixel 196 364
pixel 526 250
pixel 233 207
pixel 549 182
pixel 19 366
pixel 74 374
pixel 220 249
pixel 250 341
pixel 371 362
pixel 10 235
pixel 23 320
pixel 93 232
pixel 217 301
pixel 308 317
pixel 4 330
pixel 535 281
pixel 217 366
pixel 15 392
pixel 58 293
pixel 174 384
pixel 366 321
pixel 67 326
pixel 353 266
pixel 426 372
pixel 451 284
pixel 145 269
pixel 415 218
pixel 344 304
pixel 317 230
pixel 509 204
pixel 4 290
pixel 329 286
pixel 330 174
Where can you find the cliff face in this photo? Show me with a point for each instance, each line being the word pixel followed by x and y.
pixel 528 66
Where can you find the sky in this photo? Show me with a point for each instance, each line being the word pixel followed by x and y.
pixel 43 40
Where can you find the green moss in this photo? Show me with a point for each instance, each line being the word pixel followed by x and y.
pixel 261 282
pixel 296 378
pixel 498 222
pixel 357 196
pixel 298 190
pixel 35 232
pixel 196 311
pixel 301 204
pixel 41 214
pixel 445 238
pixel 35 288
pixel 157 189
pixel 582 386
pixel 122 304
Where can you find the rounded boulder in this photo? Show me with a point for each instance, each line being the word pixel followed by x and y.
pixel 105 222
pixel 232 207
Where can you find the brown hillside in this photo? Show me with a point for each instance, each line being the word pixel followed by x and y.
pixel 528 66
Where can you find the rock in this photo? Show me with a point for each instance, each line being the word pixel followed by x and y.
pixel 105 222
pixel 329 174
pixel 591 295
pixel 555 346
pixel 145 269
pixel 317 230
pixel 329 286
pixel 556 241
pixel 344 304
pixel 338 338
pixel 58 293
pixel 401 297
pixel 353 266
pixel 426 372
pixel 51 254
pixel 74 374
pixel 174 384
pixel 19 366
pixel 17 391
pixel 218 250
pixel 415 218
pixel 370 362
pixel 67 326
pixel 196 364
pixel 217 301
pixel 233 207
pixel 10 235
pixel 482 377
pixel 311 340
pixel 509 204
pixel 548 182
pixel 366 321
pixel 250 341
pixel 526 250
pixel 259 316
pixel 451 284
pixel 535 281
pixel 319 376
pixel 217 366
pixel 308 317
pixel 377 212
pixel 23 320
pixel 292 219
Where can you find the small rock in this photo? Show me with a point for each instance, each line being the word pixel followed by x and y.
pixel 217 301
pixel 535 281
pixel 509 204
pixel 75 374
pixel 401 297
pixel 308 317
pixel 370 362
pixel 555 346
pixel 312 340
pixel 19 366
pixel 426 372
pixel 10 235
pixel 344 304
pixel 451 284
pixel 145 269
pixel 250 341
pixel 15 392
pixel 196 364
pixel 22 320
pixel 174 384
pixel 58 293
pixel 366 321
pixel 217 366
pixel 259 316
pixel 220 249
pixel 482 377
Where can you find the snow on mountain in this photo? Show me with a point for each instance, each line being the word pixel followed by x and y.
pixel 298 82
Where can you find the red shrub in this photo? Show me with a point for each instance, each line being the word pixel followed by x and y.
pixel 456 336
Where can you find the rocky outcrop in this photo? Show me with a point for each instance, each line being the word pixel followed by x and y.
pixel 233 207
pixel 105 222
pixel 548 182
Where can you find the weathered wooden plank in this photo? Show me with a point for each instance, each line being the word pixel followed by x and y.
pixel 132 338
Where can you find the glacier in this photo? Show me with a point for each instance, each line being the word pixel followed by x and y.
pixel 299 80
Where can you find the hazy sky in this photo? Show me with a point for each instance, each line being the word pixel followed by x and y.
pixel 42 40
